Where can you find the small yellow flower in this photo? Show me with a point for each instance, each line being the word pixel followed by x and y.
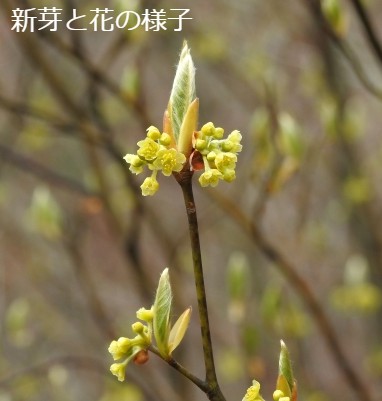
pixel 210 177
pixel 136 163
pixel 150 186
pixel 119 370
pixel 235 138
pixel 225 161
pixel 118 349
pixel 253 393
pixel 169 160
pixel 148 149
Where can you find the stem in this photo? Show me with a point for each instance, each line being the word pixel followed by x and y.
pixel 213 391
pixel 181 369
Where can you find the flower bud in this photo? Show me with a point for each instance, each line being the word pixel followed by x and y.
pixel 208 129
pixel 118 369
pixel 146 315
pixel 211 156
pixel 218 133
pixel 200 144
pixel 138 327
pixel 165 139
pixel 153 133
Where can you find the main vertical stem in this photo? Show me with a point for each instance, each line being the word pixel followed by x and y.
pixel 211 379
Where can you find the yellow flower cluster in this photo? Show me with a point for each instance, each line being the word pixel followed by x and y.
pixel 128 349
pixel 156 153
pixel 219 155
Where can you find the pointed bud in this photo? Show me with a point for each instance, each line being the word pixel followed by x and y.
pixel 183 90
pixel 285 380
pixel 179 329
pixel 189 125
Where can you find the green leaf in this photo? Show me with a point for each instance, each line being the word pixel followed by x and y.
pixel 285 370
pixel 162 309
pixel 179 329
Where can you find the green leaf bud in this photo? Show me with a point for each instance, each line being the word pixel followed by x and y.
pixel 285 381
pixel 162 310
pixel 183 90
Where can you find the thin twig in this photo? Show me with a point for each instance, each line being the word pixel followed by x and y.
pixel 181 369
pixel 32 167
pixel 352 58
pixel 185 181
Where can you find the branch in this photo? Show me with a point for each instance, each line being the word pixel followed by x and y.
pixel 345 49
pixel 302 289
pixel 181 369
pixel 32 167
pixel 369 29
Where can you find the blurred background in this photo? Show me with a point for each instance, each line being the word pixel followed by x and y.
pixel 292 249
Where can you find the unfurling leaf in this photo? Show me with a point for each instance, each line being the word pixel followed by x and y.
pixel 162 309
pixel 178 331
pixel 183 90
pixel 285 381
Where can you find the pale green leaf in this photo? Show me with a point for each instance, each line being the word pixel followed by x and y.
pixel 179 329
pixel 162 309
pixel 183 90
